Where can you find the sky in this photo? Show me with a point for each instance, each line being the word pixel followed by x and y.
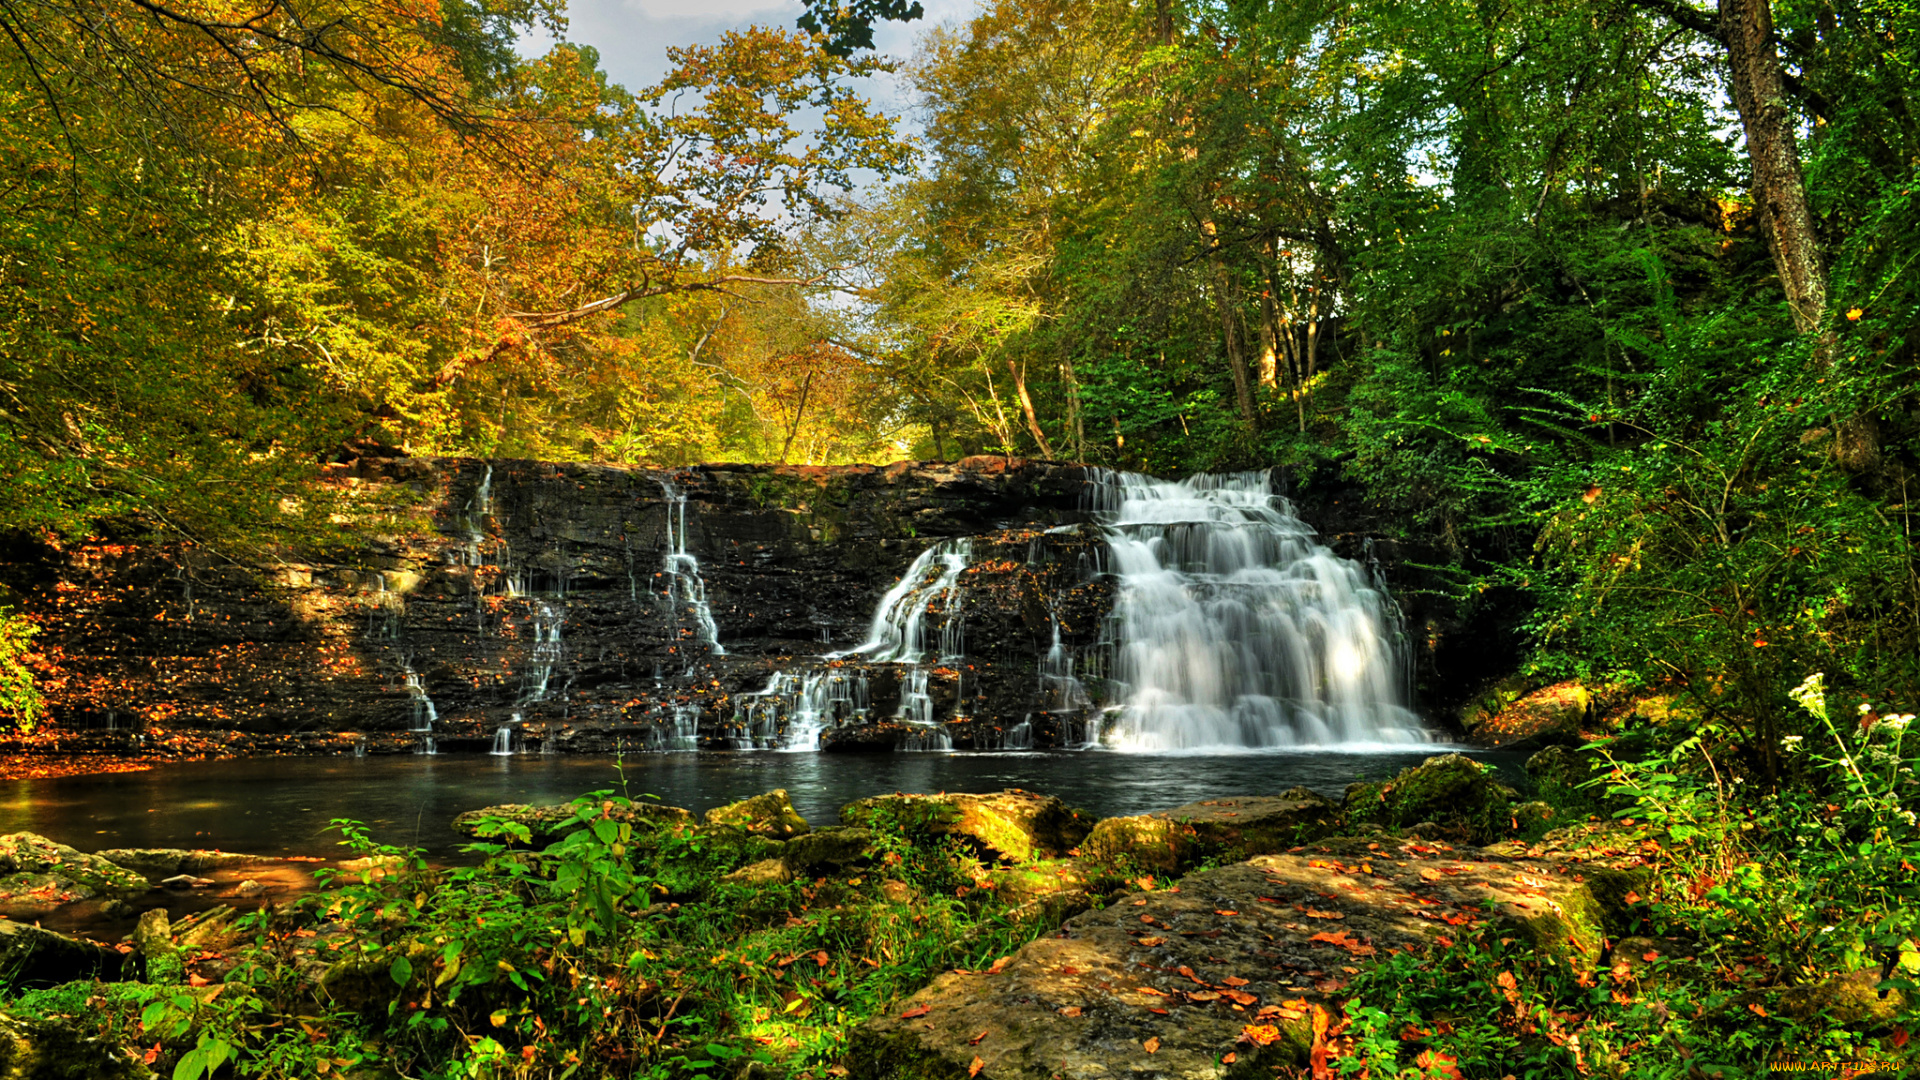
pixel 633 35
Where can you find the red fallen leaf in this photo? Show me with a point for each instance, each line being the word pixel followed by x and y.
pixel 1632 897
pixel 1188 972
pixel 1218 912
pixel 1161 1012
pixel 1152 1044
pixel 975 1041
pixel 1900 1037
pixel 1069 970
pixel 1269 900
pixel 1413 1034
pixel 1230 1058
pixel 1650 956
pixel 1456 920
pixel 1436 1062
pixel 974 1069
pixel 151 1056
pixel 197 980
pixel 1445 941
pixel 1318 1056
pixel 917 1010
pixel 1338 937
pixel 1239 997
pixel 821 958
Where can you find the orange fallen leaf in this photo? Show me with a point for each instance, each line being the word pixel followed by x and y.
pixel 1233 980
pixel 1435 1062
pixel 1188 972
pixel 1757 1009
pixel 917 1010
pixel 1152 1044
pixel 1069 1010
pixel 821 958
pixel 1239 997
pixel 1230 1058
pixel 1151 990
pixel 1650 956
pixel 1632 897
pixel 999 965
pixel 1150 942
pixel 1202 995
pixel 974 1069
pixel 197 980
pixel 1162 1012
pixel 1312 914
pixel 1259 1034
pixel 975 1041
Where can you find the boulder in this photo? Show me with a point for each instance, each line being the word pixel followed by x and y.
pixel 1453 789
pixel 38 875
pixel 1848 998
pixel 1011 825
pixel 1169 841
pixel 827 849
pixel 153 936
pixel 1509 715
pixel 1040 880
pixel 159 863
pixel 1258 944
pixel 39 1049
pixel 31 956
pixel 771 815
pixel 764 872
pixel 1559 767
pixel 549 822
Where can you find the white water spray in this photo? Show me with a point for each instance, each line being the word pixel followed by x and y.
pixel 898 635
pixel 792 711
pixel 424 714
pixel 1238 630
pixel 684 584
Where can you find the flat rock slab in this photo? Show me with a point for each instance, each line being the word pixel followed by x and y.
pixel 1172 840
pixel 1191 969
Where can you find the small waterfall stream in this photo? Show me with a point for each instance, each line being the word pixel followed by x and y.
pixel 684 585
pixel 898 635
pixel 1237 630
pixel 424 714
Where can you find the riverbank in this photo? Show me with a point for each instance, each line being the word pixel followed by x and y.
pixel 1433 923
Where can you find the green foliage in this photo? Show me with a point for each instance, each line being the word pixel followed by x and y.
pixel 19 698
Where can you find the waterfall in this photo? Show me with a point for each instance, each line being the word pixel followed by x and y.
pixel 1063 695
pixel 424 714
pixel 546 653
pixel 898 632
pixel 503 740
pixel 791 711
pixel 479 508
pixel 1237 630
pixel 684 584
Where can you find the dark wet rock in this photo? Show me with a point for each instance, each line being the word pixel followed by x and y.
pixel 1271 935
pixel 770 815
pixel 38 875
pixel 548 822
pixel 827 849
pixel 41 1049
pixel 1011 825
pixel 1453 789
pixel 161 863
pixel 1561 767
pixel 185 881
pixel 31 956
pixel 1168 841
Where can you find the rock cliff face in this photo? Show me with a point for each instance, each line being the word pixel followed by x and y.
pixel 576 604
pixel 540 606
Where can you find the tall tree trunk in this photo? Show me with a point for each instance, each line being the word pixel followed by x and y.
pixel 799 413
pixel 1230 328
pixel 1019 373
pixel 1780 195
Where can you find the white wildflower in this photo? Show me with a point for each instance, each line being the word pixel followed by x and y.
pixel 1812 694
pixel 1897 722
pixel 1866 707
pixel 1791 743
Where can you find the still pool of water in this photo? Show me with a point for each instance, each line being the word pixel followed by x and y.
pixel 283 806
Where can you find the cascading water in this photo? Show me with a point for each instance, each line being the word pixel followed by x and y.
pixel 791 711
pixel 546 653
pixel 424 714
pixel 1237 630
pixel 684 585
pixel 503 741
pixel 1063 695
pixel 898 635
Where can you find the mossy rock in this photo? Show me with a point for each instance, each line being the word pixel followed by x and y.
pixel 158 864
pixel 31 853
pixel 827 849
pixel 38 1049
pixel 32 956
pixel 1451 789
pixel 770 815
pixel 1170 841
pixel 764 872
pixel 1012 825
pixel 1041 879
pixel 549 822
pixel 1508 715
pixel 1848 998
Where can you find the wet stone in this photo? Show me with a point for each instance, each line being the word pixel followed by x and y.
pixel 1256 944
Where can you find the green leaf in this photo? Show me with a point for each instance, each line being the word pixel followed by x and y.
pixel 402 971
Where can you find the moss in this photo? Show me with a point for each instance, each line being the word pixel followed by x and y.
pixel 1449 789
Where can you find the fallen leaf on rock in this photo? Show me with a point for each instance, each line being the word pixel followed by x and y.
pixel 1152 1044
pixel 917 1010
pixel 1150 942
pixel 1188 972
pixel 1162 1012
pixel 1312 914
pixel 1229 1059
pixel 999 965
pixel 1069 1010
pixel 1069 970
pixel 1330 986
pixel 1239 997
pixel 1218 912
pixel 1758 1009
pixel 197 980
pixel 1259 1034
pixel 974 1069
pixel 1151 990
pixel 1632 897
pixel 975 1041
pixel 1233 980
pixel 1650 957
pixel 1202 995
